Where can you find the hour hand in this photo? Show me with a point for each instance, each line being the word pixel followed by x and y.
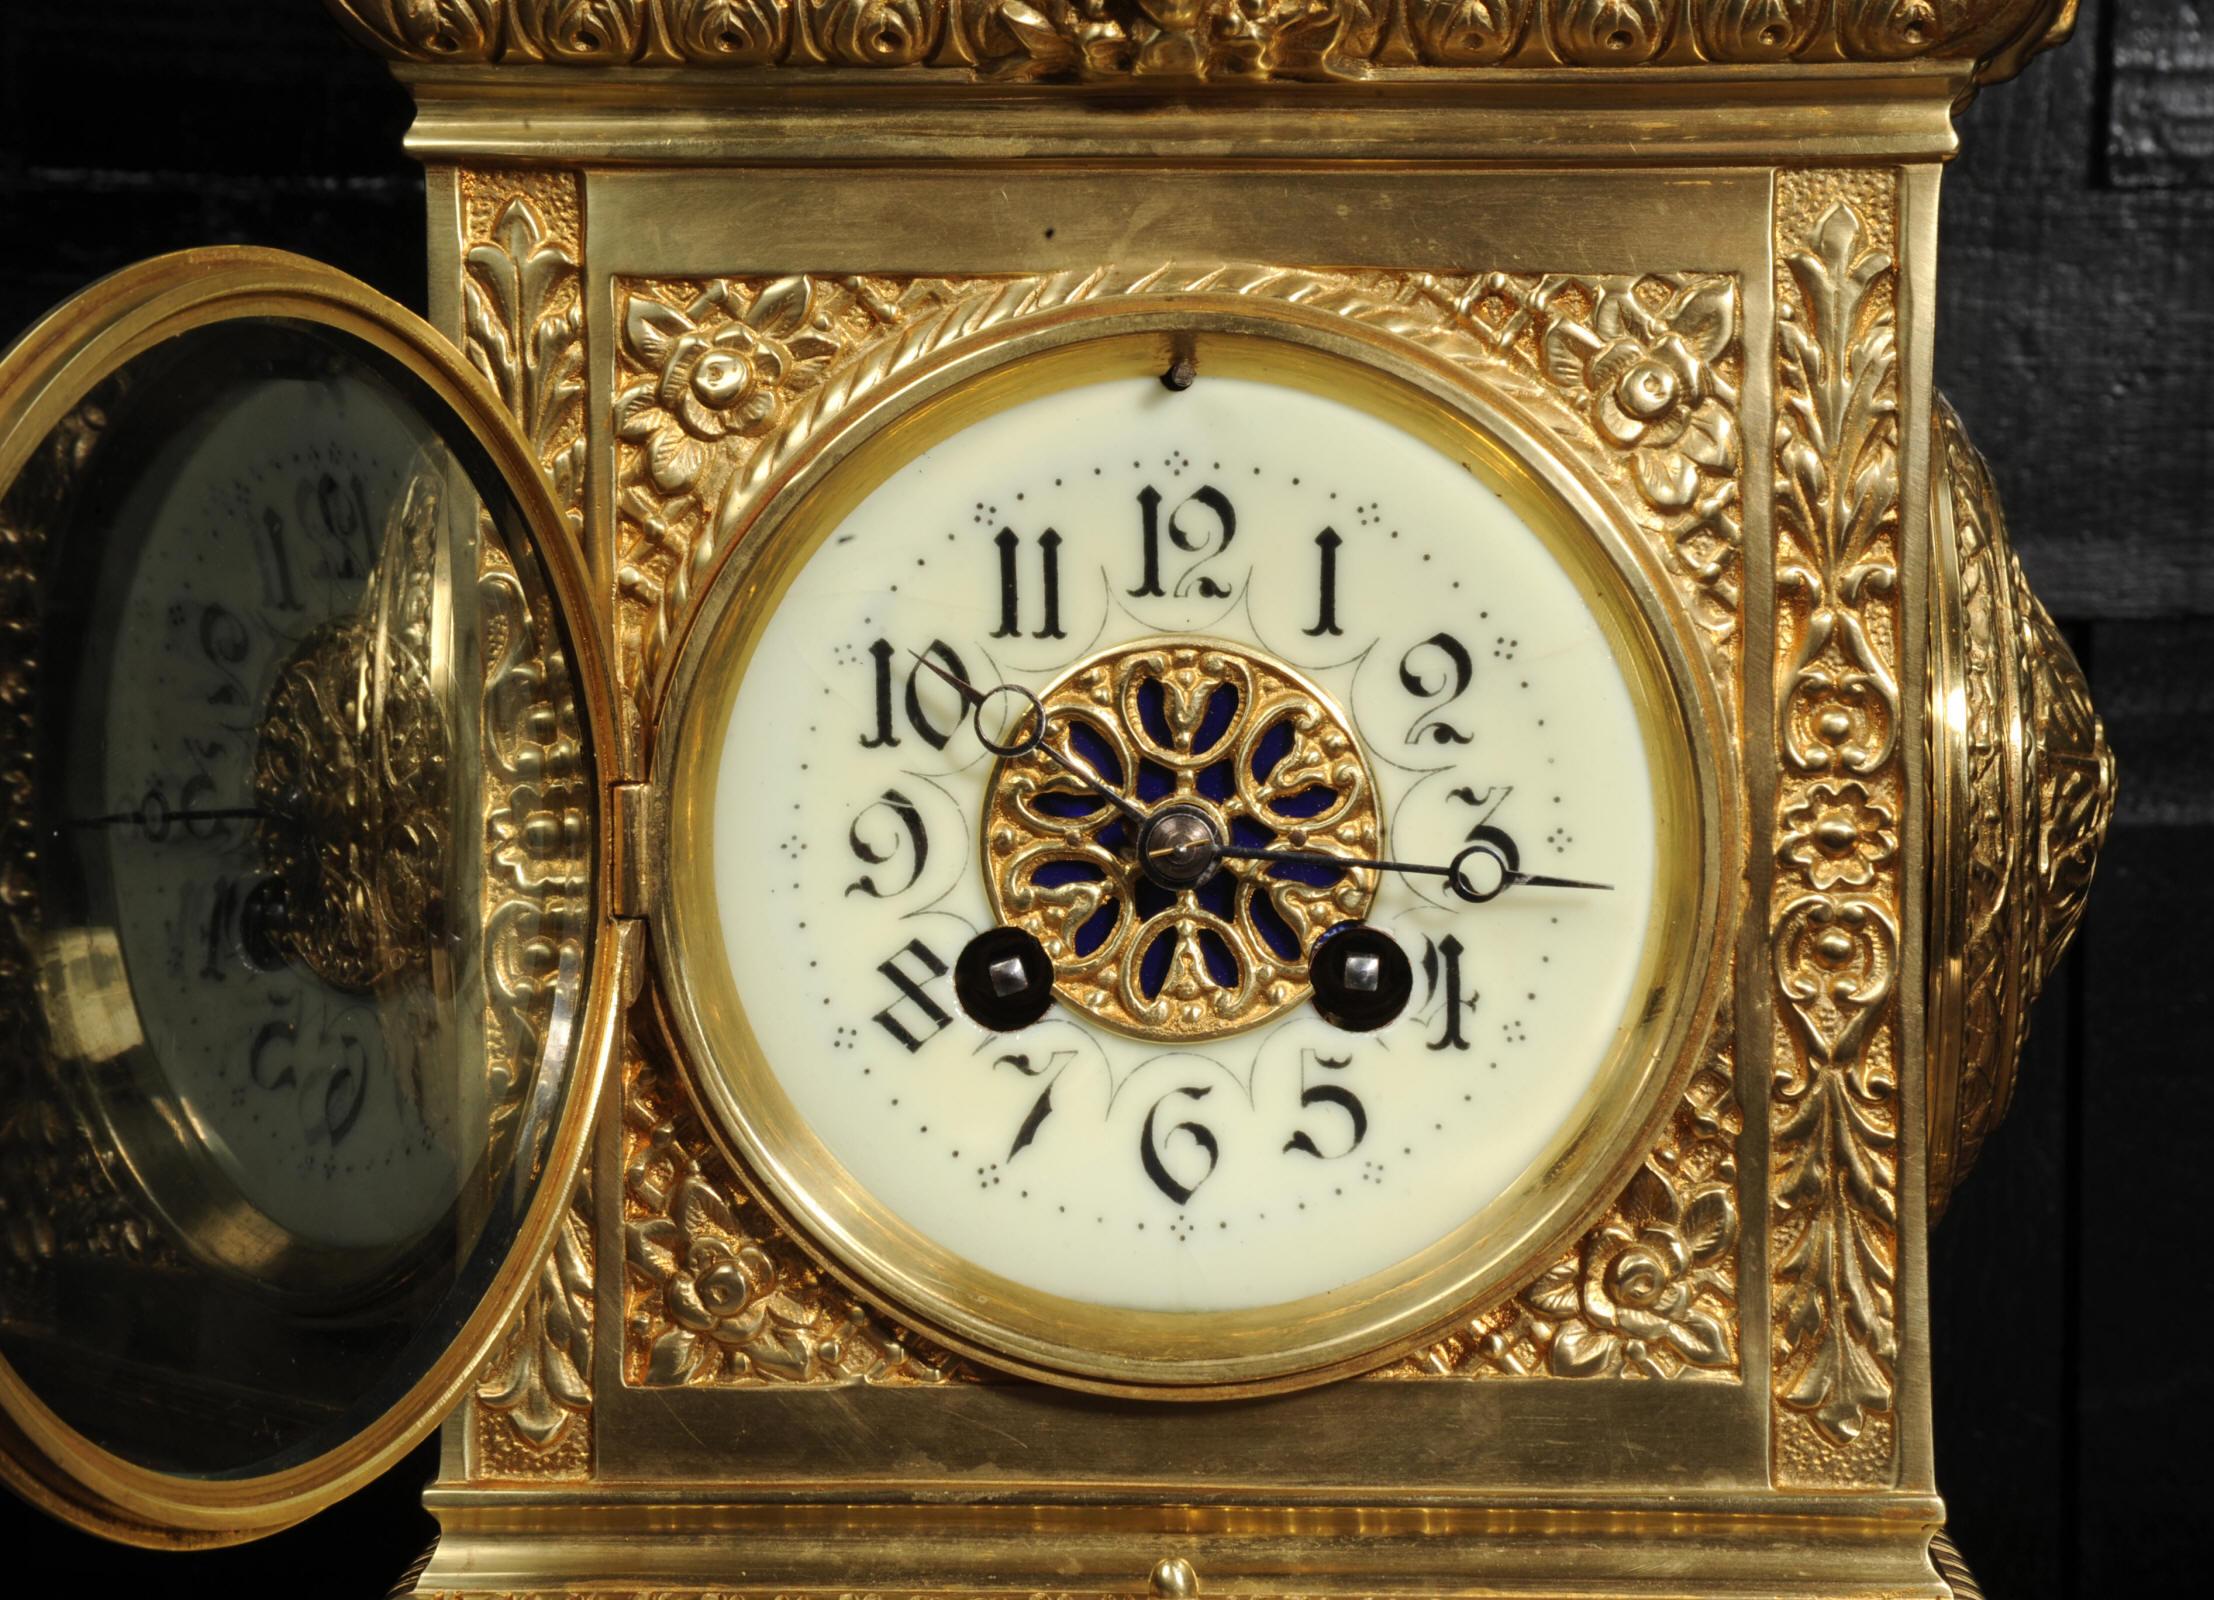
pixel 1034 739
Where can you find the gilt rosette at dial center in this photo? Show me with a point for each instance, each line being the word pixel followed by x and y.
pixel 1222 744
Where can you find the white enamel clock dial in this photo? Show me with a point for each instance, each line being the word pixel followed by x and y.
pixel 1331 636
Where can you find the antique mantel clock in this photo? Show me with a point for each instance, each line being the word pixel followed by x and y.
pixel 1081 797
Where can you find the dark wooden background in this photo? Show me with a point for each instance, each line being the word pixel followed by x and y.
pixel 2077 339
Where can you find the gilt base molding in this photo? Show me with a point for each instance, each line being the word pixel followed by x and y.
pixel 1875 1547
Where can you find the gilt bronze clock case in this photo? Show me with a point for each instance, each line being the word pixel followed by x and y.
pixel 1661 273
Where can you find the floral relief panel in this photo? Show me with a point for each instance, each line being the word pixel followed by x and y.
pixel 721 385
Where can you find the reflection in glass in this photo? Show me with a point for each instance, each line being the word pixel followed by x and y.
pixel 296 877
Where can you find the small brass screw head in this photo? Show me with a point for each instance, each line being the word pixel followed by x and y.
pixel 1174 1579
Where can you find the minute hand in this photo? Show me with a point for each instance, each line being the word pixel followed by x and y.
pixel 1036 739
pixel 1456 873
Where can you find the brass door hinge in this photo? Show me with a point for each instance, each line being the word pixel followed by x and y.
pixel 631 817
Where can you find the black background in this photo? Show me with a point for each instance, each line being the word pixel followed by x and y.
pixel 2076 336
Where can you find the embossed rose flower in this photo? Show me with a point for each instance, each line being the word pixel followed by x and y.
pixel 1836 835
pixel 1652 382
pixel 719 373
pixel 1630 1299
pixel 724 1300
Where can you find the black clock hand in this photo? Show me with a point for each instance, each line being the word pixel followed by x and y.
pixel 1456 873
pixel 1034 740
pixel 165 817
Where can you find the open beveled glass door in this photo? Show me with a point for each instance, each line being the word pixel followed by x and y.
pixel 306 983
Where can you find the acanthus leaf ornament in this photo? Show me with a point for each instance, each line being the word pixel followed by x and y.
pixel 1468 33
pixel 1896 30
pixel 1835 915
pixel 534 1396
pixel 522 313
pixel 1756 30
pixel 525 332
pixel 1838 497
pixel 585 32
pixel 430 30
pixel 738 33
pixel 1200 40
pixel 1590 33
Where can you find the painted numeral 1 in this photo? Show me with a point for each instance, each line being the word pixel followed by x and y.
pixel 1326 617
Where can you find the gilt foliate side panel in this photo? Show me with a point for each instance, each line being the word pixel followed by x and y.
pixel 1835 1102
pixel 522 308
pixel 721 384
pixel 522 328
pixel 1999 862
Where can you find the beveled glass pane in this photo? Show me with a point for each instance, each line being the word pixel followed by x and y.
pixel 297 860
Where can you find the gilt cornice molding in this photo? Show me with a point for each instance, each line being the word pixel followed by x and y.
pixel 1211 42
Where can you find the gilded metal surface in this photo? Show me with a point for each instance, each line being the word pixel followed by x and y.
pixel 1946 1558
pixel 714 1292
pixel 682 1546
pixel 523 314
pixel 1510 428
pixel 708 415
pixel 721 384
pixel 2022 761
pixel 530 1414
pixel 2075 780
pixel 1637 376
pixel 1193 677
pixel 522 328
pixel 532 1400
pixel 1652 1291
pixel 1834 1112
pixel 717 386
pixel 1195 40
